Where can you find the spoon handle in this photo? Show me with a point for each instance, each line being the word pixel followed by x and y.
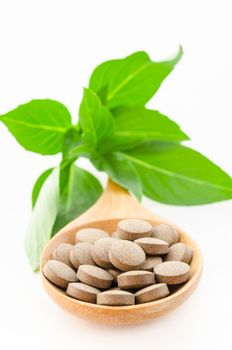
pixel 114 203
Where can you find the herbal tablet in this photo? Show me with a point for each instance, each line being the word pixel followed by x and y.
pixel 151 293
pixel 179 252
pixel 81 254
pixel 101 250
pixel 132 229
pixel 126 255
pixel 172 272
pixel 151 262
pixel 115 297
pixel 135 279
pixel 90 235
pixel 62 253
pixel 165 232
pixel 94 276
pixel 153 246
pixel 82 291
pixel 59 273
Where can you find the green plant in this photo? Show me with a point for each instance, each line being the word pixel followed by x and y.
pixel 139 148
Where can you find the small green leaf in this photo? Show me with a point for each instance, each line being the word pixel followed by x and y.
pixel 39 126
pixel 74 146
pixel 130 81
pixel 174 174
pixel 38 185
pixel 42 219
pixel 121 171
pixel 96 120
pixel 79 190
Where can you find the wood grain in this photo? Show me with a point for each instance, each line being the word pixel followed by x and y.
pixel 116 204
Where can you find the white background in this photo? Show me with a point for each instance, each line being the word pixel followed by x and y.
pixel 48 50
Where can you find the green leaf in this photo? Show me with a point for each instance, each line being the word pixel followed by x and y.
pixel 121 171
pixel 96 120
pixel 39 126
pixel 74 146
pixel 141 124
pixel 79 190
pixel 130 81
pixel 135 125
pixel 38 185
pixel 174 174
pixel 42 219
pixel 66 193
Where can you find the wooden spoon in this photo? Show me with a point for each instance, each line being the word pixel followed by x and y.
pixel 116 204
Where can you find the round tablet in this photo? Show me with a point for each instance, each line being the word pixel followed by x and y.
pixel 83 292
pixel 114 273
pixel 90 235
pixel 62 253
pixel 132 229
pixel 153 246
pixel 165 232
pixel 172 272
pixel 81 254
pixel 59 273
pixel 115 297
pixel 101 250
pixel 126 255
pixel 151 262
pixel 94 276
pixel 151 293
pixel 135 279
pixel 179 252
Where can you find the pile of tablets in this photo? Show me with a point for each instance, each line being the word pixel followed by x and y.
pixel 137 264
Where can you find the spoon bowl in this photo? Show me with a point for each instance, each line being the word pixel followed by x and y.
pixel 114 205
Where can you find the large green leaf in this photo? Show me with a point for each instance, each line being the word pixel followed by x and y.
pixel 43 218
pixel 132 80
pixel 79 190
pixel 39 126
pixel 96 120
pixel 135 125
pixel 174 174
pixel 66 193
pixel 138 123
pixel 121 171
pixel 38 185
